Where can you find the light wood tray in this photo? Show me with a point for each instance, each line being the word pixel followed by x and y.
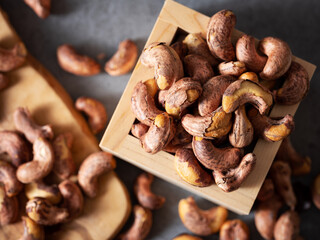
pixel 33 87
pixel 118 141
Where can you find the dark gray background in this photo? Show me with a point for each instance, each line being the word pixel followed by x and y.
pixel 97 26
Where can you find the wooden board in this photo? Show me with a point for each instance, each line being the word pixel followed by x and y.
pixel 172 17
pixel 33 87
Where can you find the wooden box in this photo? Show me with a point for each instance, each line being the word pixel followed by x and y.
pixel 119 142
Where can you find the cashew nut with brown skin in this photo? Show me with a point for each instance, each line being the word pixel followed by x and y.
pixel 40 189
pixel 91 168
pixel 145 197
pixel 190 170
pixel 32 230
pixel 9 208
pixel 9 180
pixel 266 190
pixel 139 129
pixel 72 62
pixel 16 147
pixel 180 48
pixel 219 32
pixel 25 124
pixel 201 222
pixel 316 191
pixel 64 165
pixel 13 58
pixel 214 125
pixel 287 226
pixel 233 68
pixel 212 93
pixel 40 7
pixel 166 63
pixel 4 81
pixel 95 111
pixel 43 212
pixel 279 57
pixel 40 166
pixel 123 60
pixel 141 225
pixel 198 68
pixel 234 229
pixel 185 236
pixel 72 198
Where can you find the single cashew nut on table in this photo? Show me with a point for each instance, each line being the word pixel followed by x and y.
pixel 234 229
pixel 40 7
pixel 13 58
pixel 32 230
pixel 40 189
pixel 9 180
pixel 9 208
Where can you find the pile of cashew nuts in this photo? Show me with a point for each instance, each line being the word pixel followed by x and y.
pixel 209 101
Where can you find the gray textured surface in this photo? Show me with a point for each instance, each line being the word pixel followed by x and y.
pixel 97 26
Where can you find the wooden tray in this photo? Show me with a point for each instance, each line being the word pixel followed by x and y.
pixel 117 140
pixel 32 86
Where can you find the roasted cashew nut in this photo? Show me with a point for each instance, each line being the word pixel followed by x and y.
pixel 9 180
pixel 15 147
pixel 91 168
pixel 212 93
pixel 25 124
pixel 145 197
pixel 246 52
pixel 139 129
pixel 4 81
pixel 166 63
pixel 189 169
pixel 72 62
pixel 201 222
pixel 267 190
pixel 72 198
pixel 95 111
pixel 32 230
pixel 141 225
pixel 214 125
pixel 11 59
pixel 43 212
pixel 123 60
pixel 234 229
pixel 279 58
pixel 40 166
pixel 219 32
pixel 233 68
pixel 287 226
pixel 40 7
pixel 40 189
pixel 9 208
pixel 198 68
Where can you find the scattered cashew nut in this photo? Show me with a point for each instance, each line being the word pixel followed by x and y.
pixel 234 229
pixel 287 226
pixel 9 208
pixel 32 230
pixel 13 58
pixel 40 189
pixel 40 7
pixel 198 68
pixel 9 180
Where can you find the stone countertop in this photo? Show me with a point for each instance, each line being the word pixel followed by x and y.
pixel 97 26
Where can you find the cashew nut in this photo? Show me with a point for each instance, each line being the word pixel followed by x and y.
pixel 198 68
pixel 72 198
pixel 166 63
pixel 72 62
pixel 123 60
pixel 246 52
pixel 40 166
pixel 11 59
pixel 300 165
pixel 15 147
pixel 214 125
pixel 197 45
pixel 141 225
pixel 159 134
pixel 201 222
pixel 145 197
pixel 25 124
pixel 266 190
pixel 43 212
pixel 233 68
pixel 9 208
pixel 213 158
pixel 242 131
pixel 95 111
pixel 219 32
pixel 40 189
pixel 40 7
pixel 212 93
pixel 9 180
pixel 245 91
pixel 295 87
pixel 91 168
pixel 190 170
pixel 185 236
pixel 181 49
pixel 279 57
pixel 139 129
pixel 281 176
pixel 287 226
pixel 142 104
pixel 4 81
pixel 252 76
pixel 32 230
pixel 231 179
pixel 265 216
pixel 64 165
pixel 316 191
pixel 234 229
pixel 181 95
